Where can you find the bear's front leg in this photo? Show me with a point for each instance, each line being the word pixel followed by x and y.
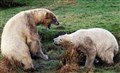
pixel 90 51
pixel 42 55
pixel 90 57
pixel 34 45
pixel 36 50
pixel 33 41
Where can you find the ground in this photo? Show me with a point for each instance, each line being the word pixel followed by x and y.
pixel 73 15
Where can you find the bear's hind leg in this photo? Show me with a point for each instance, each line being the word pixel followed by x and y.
pixel 109 57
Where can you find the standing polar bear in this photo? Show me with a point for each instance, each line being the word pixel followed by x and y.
pixel 92 42
pixel 20 39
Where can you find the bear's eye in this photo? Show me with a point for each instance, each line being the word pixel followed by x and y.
pixel 54 18
pixel 60 39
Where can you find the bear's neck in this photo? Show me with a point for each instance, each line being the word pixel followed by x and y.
pixel 74 39
pixel 38 19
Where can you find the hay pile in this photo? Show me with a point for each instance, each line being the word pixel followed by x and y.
pixel 69 61
pixel 72 58
pixel 7 67
pixel 89 70
pixel 69 68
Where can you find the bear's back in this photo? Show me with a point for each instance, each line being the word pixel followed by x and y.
pixel 12 37
pixel 102 38
pixel 102 35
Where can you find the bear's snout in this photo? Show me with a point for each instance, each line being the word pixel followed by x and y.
pixel 55 20
pixel 57 23
pixel 56 42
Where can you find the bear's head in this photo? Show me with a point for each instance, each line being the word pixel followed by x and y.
pixel 63 40
pixel 45 17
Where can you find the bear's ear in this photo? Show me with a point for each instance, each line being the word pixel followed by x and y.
pixel 48 15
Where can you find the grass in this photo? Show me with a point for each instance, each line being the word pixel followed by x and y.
pixel 73 15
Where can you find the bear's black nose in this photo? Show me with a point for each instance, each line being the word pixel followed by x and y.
pixel 56 44
pixel 57 23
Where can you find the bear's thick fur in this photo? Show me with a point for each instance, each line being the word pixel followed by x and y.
pixel 20 39
pixel 94 41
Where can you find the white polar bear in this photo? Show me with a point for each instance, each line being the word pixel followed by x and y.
pixel 20 39
pixel 94 41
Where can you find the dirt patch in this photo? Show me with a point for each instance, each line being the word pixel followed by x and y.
pixel 9 3
pixel 60 27
pixel 59 33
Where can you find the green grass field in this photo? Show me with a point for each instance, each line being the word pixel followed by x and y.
pixel 73 15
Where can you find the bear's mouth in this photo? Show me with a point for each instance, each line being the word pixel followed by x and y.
pixel 56 44
pixel 49 26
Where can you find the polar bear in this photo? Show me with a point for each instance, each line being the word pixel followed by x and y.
pixel 93 42
pixel 20 40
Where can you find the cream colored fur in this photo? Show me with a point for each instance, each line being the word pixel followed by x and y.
pixel 20 38
pixel 92 42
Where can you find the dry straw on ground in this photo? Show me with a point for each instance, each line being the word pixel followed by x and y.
pixel 7 67
pixel 69 61
pixel 69 68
